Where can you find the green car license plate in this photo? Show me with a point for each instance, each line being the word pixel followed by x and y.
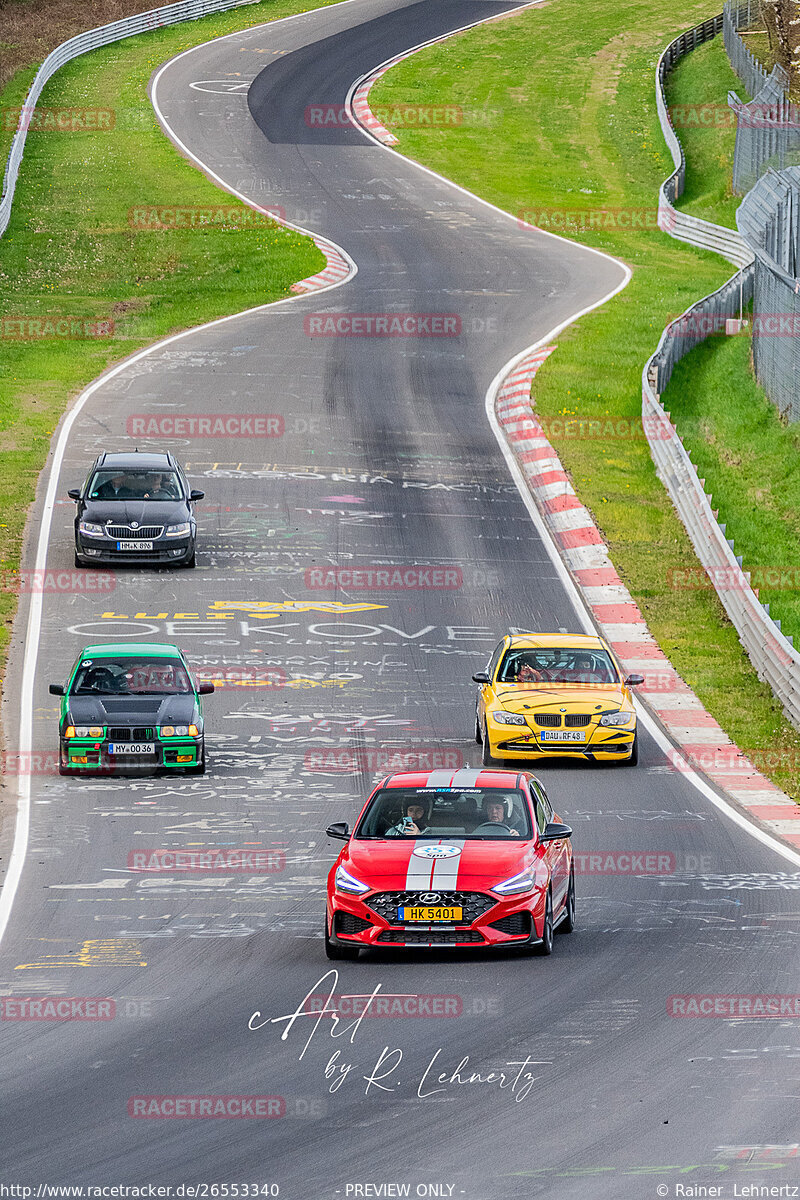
pixel 138 748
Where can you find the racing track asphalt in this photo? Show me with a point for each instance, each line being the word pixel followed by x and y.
pixel 387 456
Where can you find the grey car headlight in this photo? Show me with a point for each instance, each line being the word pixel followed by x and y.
pixel 178 530
pixel 91 530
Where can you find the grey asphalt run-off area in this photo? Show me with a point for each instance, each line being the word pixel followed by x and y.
pixel 387 456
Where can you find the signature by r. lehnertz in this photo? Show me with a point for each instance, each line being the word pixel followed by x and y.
pixel 384 1074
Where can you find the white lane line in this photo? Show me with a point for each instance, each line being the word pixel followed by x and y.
pixel 583 614
pixel 570 586
pixel 19 847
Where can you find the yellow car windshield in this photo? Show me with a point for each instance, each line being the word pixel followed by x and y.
pixel 557 665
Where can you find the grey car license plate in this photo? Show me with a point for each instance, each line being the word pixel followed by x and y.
pixel 131 748
pixel 134 545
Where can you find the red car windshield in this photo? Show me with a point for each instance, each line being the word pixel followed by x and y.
pixel 471 813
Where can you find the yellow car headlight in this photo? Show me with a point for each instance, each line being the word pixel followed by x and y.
pixel 618 718
pixel 508 718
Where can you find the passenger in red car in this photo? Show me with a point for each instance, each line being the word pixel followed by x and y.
pixel 414 823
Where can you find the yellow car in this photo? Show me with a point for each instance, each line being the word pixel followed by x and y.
pixel 551 695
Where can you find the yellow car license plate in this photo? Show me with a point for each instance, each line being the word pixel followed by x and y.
pixel 429 913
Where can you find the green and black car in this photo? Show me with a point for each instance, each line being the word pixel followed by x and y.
pixel 131 707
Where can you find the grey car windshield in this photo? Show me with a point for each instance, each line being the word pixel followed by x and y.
pixel 121 484
pixel 471 813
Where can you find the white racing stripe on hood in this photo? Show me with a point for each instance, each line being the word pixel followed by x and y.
pixel 445 870
pixel 420 872
pixel 437 874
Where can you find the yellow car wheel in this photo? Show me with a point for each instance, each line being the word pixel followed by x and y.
pixel 486 748
pixel 634 758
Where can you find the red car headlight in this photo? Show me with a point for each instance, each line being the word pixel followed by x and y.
pixel 345 882
pixel 523 881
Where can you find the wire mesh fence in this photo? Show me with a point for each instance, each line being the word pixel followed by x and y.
pixel 767 132
pixel 769 221
pixel 737 16
pixel 768 126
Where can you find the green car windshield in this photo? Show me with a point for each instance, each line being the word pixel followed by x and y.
pixel 133 675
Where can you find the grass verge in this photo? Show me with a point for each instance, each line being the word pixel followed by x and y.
pixel 71 251
pixel 750 461
pixel 566 97
pixel 749 458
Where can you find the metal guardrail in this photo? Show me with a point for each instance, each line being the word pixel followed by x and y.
pixel 771 652
pixel 708 316
pixel 680 225
pixel 82 43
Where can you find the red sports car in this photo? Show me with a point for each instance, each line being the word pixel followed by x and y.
pixel 452 858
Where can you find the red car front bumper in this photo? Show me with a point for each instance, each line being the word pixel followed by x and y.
pixel 488 922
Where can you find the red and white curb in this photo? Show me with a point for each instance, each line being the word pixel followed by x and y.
pixel 357 101
pixel 362 111
pixel 704 746
pixel 336 271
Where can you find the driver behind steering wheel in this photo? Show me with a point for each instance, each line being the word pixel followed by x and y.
pixel 100 679
pixel 495 814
